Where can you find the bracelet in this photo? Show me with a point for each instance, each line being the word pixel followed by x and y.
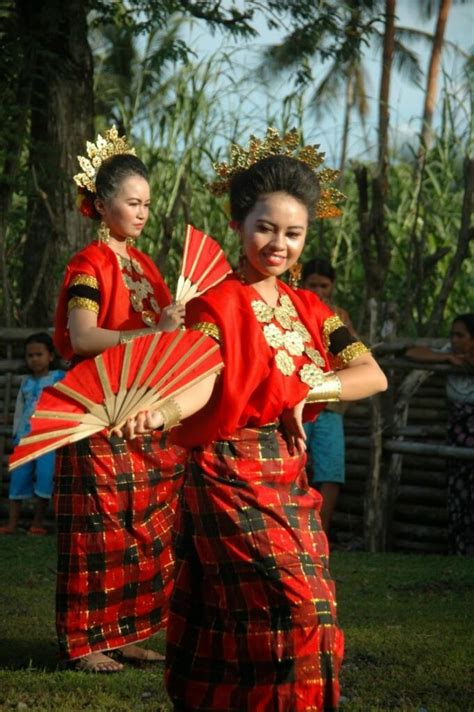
pixel 327 391
pixel 171 413
pixel 126 336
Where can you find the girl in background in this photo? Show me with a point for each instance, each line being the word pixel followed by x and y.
pixel 34 478
pixel 325 435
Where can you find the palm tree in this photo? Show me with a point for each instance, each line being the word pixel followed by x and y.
pixel 347 71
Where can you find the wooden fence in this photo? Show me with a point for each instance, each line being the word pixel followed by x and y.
pixel 419 518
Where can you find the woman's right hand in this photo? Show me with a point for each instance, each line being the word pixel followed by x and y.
pixel 172 317
pixel 143 423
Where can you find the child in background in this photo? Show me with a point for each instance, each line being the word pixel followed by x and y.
pixel 325 435
pixel 36 477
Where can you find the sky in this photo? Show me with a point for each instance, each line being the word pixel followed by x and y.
pixel 406 100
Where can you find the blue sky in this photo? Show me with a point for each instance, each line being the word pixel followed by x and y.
pixel 406 101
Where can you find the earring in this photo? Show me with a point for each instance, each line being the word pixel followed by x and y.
pixel 130 241
pixel 103 233
pixel 295 275
pixel 240 268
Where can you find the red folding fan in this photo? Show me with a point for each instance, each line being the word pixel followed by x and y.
pixel 103 392
pixel 204 265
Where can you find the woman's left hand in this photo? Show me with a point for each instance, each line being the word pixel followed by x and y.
pixel 293 431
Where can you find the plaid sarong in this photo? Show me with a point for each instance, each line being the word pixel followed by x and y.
pixel 115 505
pixel 252 624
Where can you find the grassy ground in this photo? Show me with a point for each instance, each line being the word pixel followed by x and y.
pixel 407 621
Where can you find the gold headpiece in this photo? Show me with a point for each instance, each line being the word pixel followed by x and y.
pixel 275 145
pixel 111 145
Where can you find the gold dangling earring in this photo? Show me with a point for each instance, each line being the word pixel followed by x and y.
pixel 295 275
pixel 103 233
pixel 130 242
pixel 240 268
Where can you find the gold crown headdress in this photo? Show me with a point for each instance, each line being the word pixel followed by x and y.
pixel 111 144
pixel 275 145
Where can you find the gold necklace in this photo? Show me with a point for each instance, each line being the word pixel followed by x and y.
pixel 288 338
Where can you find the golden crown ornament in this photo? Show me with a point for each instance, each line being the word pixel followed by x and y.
pixel 275 145
pixel 111 144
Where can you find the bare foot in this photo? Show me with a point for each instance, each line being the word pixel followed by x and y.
pixel 98 662
pixel 136 653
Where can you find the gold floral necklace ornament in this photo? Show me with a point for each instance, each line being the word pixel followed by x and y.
pixel 285 333
pixel 275 145
pixel 140 289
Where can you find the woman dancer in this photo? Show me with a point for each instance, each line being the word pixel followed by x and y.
pixel 115 501
pixel 253 613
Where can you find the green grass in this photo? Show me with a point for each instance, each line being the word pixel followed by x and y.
pixel 407 621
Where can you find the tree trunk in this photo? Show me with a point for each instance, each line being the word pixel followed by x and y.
pixel 384 94
pixel 349 103
pixel 433 74
pixel 61 120
pixel 465 235
pixel 16 69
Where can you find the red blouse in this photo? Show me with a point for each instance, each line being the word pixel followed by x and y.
pixel 251 390
pixel 124 294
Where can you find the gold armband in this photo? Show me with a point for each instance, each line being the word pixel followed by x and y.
pixel 327 391
pixel 171 412
pixel 126 336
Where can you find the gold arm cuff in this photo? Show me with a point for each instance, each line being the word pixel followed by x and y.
pixel 85 279
pixel 171 412
pixel 344 357
pixel 207 327
pixel 327 391
pixel 332 323
pixel 82 303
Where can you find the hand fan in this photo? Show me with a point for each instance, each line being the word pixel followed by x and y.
pixel 204 265
pixel 101 393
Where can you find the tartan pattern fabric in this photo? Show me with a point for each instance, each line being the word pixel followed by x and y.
pixel 115 505
pixel 253 614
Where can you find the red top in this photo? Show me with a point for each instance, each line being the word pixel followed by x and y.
pixel 124 297
pixel 251 390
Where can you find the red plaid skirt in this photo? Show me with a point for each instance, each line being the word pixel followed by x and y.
pixel 115 505
pixel 252 624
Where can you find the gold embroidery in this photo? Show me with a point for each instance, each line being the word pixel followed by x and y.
pixel 330 325
pixel 311 375
pixel 139 289
pixel 286 302
pixel 291 341
pixel 351 352
pixel 302 330
pixel 207 327
pixel 82 303
pixel 263 312
pixel 85 279
pixel 283 317
pixel 315 356
pixel 273 336
pixel 130 263
pixel 284 363
pixel 294 343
